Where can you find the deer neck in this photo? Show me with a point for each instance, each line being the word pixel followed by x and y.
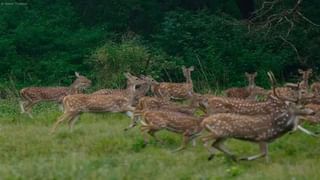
pixel 304 83
pixel 73 89
pixel 252 84
pixel 143 89
pixel 188 78
pixel 285 121
pixel 130 92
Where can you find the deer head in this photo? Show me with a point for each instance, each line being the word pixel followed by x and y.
pixel 132 82
pixel 187 73
pixel 251 79
pixel 305 77
pixel 305 74
pixel 81 82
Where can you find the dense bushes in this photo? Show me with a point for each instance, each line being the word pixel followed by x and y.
pixel 44 42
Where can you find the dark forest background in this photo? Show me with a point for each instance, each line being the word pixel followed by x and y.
pixel 42 42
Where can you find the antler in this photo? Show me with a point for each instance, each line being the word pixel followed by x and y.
pixel 273 83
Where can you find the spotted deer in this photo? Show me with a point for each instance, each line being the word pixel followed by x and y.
pixel 33 95
pixel 304 84
pixel 155 120
pixel 74 105
pixel 249 92
pixel 213 104
pixel 175 90
pixel 260 128
pixel 141 90
pixel 155 103
pixel 315 88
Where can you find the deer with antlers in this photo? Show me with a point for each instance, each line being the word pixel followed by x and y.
pixel 175 90
pixel 33 95
pixel 213 104
pixel 74 105
pixel 249 92
pixel 260 128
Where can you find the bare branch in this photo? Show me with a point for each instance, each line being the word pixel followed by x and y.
pixel 294 48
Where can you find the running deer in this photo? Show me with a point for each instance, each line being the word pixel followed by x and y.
pixel 33 95
pixel 155 103
pixel 74 105
pixel 249 92
pixel 175 90
pixel 155 120
pixel 213 104
pixel 141 90
pixel 261 128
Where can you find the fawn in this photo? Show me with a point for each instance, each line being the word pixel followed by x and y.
pixel 33 95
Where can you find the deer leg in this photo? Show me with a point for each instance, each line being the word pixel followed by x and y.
pixel 148 130
pixel 218 144
pixel 206 139
pixel 134 122
pixel 144 129
pixel 25 108
pixel 264 153
pixel 73 120
pixel 21 103
pixel 193 138
pixel 185 140
pixel 152 133
pixel 29 106
pixel 60 120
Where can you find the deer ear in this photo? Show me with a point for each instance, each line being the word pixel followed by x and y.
pixel 255 74
pixel 300 71
pixel 310 70
pixel 247 74
pixel 191 68
pixel 77 74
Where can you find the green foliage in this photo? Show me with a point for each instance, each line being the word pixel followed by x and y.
pixel 221 48
pixel 44 42
pixel 111 60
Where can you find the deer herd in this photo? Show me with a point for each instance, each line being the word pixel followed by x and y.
pixel 237 115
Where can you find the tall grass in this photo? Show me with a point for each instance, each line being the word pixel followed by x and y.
pixel 98 148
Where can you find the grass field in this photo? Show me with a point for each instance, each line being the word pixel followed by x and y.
pixel 98 148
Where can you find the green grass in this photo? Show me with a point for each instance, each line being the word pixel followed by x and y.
pixel 98 148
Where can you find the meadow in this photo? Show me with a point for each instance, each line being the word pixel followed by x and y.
pixel 98 148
